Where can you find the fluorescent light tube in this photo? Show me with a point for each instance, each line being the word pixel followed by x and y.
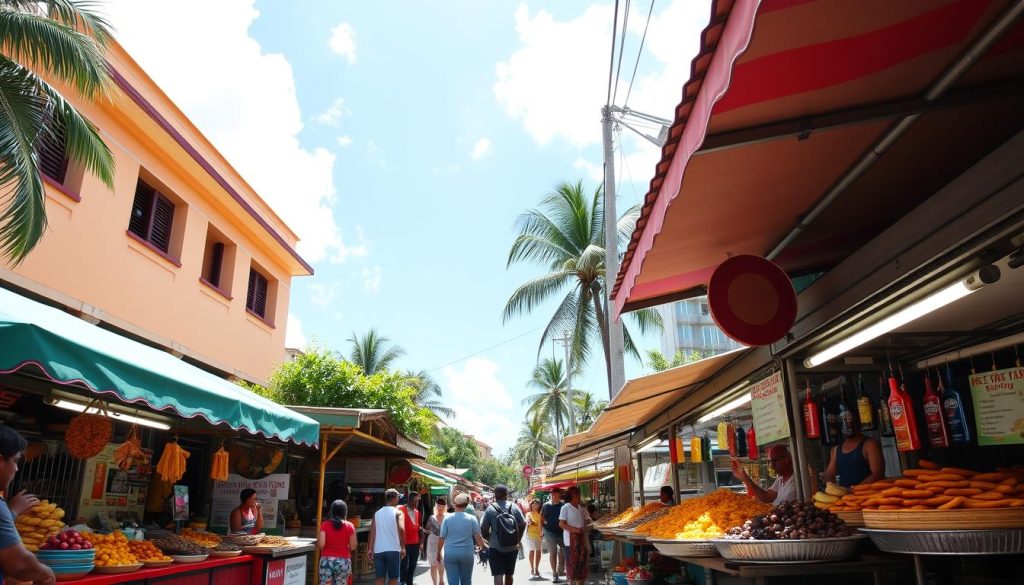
pixel 732 405
pixel 649 444
pixel 126 418
pixel 951 293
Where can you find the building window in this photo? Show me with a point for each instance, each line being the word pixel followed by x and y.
pixel 704 309
pixel 218 261
pixel 152 217
pixel 52 152
pixel 259 291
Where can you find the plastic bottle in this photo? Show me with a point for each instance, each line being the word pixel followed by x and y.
pixel 847 424
pixel 865 409
pixel 934 419
pixel 904 423
pixel 884 416
pixel 812 417
pixel 953 407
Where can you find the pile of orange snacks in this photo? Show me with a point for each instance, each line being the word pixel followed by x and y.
pixel 632 514
pixel 704 517
pixel 111 549
pixel 207 539
pixel 933 488
pixel 145 550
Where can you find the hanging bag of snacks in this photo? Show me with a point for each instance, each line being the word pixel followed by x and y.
pixel 88 432
pixel 219 468
pixel 130 453
pixel 172 463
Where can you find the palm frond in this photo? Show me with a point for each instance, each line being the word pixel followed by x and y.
pixel 83 143
pixel 647 320
pixel 534 292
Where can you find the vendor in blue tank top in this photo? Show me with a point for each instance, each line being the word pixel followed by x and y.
pixel 858 459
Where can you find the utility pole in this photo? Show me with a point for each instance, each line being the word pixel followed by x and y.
pixel 616 339
pixel 566 341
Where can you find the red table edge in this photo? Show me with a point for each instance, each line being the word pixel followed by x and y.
pixel 172 569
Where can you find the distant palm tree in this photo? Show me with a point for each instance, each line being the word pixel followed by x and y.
pixel 566 235
pixel 428 393
pixel 551 404
pixel 588 409
pixel 534 445
pixel 373 352
pixel 63 39
pixel 660 363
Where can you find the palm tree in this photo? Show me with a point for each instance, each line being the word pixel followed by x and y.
pixel 566 234
pixel 534 445
pixel 588 409
pixel 64 40
pixel 428 393
pixel 660 363
pixel 551 404
pixel 373 352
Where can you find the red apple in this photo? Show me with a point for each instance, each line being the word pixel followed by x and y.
pixel 64 546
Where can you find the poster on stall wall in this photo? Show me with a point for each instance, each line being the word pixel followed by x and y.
pixel 289 571
pixel 998 399
pixel 768 404
pixel 107 489
pixel 269 491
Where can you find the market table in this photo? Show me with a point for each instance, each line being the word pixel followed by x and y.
pixel 761 571
pixel 240 570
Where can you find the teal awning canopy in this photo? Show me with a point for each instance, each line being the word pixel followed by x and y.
pixel 70 351
pixel 439 490
pixel 430 474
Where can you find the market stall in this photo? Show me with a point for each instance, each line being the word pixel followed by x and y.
pixel 127 444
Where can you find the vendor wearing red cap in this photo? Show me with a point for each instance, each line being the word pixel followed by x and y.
pixel 783 490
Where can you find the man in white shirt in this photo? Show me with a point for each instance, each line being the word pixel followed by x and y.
pixel 386 546
pixel 574 520
pixel 783 490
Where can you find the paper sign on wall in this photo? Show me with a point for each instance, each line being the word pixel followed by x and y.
pixel 269 490
pixel 107 489
pixel 998 399
pixel 768 404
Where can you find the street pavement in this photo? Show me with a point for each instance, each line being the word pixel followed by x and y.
pixel 482 574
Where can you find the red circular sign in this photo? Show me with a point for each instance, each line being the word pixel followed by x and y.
pixel 400 471
pixel 527 470
pixel 752 300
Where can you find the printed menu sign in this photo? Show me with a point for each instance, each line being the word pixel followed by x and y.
pixel 269 490
pixel 768 403
pixel 110 490
pixel 288 571
pixel 999 406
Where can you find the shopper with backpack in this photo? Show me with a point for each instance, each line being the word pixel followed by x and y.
pixel 503 526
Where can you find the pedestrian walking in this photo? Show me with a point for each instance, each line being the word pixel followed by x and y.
pixel 574 521
pixel 336 542
pixel 533 537
pixel 552 537
pixel 459 532
pixel 413 523
pixel 386 546
pixel 503 527
pixel 433 535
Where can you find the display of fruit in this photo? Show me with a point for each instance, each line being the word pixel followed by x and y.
pixel 639 574
pixel 66 540
pixel 704 517
pixel 38 524
pixel 791 521
pixel 111 549
pixel 145 550
pixel 204 539
pixel 173 544
pixel 930 487
pixel 832 493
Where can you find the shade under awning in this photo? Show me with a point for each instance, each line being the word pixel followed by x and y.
pixel 72 352
pixel 432 476
pixel 580 475
pixel 785 98
pixel 641 399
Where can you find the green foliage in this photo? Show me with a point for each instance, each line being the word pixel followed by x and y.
pixel 319 378
pixel 451 448
pixel 551 404
pixel 587 410
pixel 535 444
pixel 659 363
pixel 63 39
pixel 492 472
pixel 373 352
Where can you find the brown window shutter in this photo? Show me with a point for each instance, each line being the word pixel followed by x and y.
pixel 163 219
pixel 260 300
pixel 250 295
pixel 216 259
pixel 138 224
pixel 52 151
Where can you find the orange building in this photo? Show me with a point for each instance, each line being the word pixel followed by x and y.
pixel 183 254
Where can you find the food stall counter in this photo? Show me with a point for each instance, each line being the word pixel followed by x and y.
pixel 301 546
pixel 241 570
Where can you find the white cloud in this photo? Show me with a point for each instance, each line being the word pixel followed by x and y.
pixel 482 148
pixel 556 81
pixel 321 294
pixel 345 141
pixel 293 335
pixel 371 280
pixel 361 249
pixel 332 115
pixel 343 42
pixel 594 171
pixel 498 423
pixel 243 99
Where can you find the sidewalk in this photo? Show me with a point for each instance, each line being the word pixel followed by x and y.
pixel 482 575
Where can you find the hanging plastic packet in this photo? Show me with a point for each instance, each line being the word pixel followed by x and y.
pixel 723 430
pixel 705 447
pixel 696 451
pixel 752 453
pixel 741 441
pixel 731 440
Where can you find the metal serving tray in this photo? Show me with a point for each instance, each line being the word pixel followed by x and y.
pixel 788 551
pixel 684 548
pixel 948 542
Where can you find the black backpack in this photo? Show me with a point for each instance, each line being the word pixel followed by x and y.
pixel 505 526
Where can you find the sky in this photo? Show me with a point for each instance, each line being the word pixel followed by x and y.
pixel 400 140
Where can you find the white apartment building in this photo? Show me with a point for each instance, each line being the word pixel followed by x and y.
pixel 689 327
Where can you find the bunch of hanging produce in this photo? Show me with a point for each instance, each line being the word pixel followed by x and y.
pixel 219 469
pixel 130 453
pixel 88 434
pixel 172 463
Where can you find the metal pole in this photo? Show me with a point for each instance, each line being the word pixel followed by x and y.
pixel 568 383
pixel 640 477
pixel 673 432
pixel 616 341
pixel 796 434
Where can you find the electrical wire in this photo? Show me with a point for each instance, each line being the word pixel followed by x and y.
pixel 622 49
pixel 486 349
pixel 638 53
pixel 611 63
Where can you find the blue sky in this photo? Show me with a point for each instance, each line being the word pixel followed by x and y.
pixel 400 140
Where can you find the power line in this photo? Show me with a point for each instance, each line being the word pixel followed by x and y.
pixel 611 63
pixel 638 53
pixel 622 49
pixel 486 349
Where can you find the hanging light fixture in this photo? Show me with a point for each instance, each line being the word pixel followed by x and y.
pixel 113 415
